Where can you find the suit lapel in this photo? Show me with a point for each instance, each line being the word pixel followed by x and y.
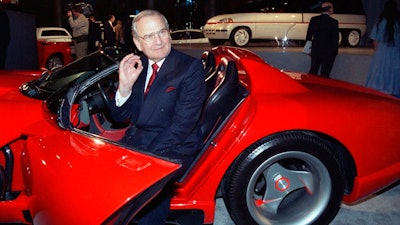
pixel 152 98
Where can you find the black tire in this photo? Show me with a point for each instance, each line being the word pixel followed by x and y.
pixel 352 38
pixel 54 62
pixel 240 36
pixel 288 179
pixel 216 42
pixel 340 38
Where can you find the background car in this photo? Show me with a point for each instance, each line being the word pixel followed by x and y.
pixel 54 47
pixel 283 21
pixel 279 148
pixel 188 36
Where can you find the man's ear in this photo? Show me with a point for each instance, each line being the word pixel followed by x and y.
pixel 137 44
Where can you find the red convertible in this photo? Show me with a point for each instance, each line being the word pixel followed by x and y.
pixel 279 148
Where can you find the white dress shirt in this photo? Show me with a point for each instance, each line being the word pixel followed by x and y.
pixel 121 100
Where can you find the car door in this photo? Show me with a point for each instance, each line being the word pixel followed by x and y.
pixel 86 177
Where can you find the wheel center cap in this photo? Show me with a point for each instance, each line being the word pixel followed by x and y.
pixel 282 183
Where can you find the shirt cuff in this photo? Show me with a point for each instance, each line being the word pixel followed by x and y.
pixel 119 100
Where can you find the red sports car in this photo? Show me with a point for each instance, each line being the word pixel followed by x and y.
pixel 279 148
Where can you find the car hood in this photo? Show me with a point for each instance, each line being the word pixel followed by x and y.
pixel 17 110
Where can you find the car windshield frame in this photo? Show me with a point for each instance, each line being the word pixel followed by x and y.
pixel 53 82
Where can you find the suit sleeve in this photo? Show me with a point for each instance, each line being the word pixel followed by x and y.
pixel 310 30
pixel 80 26
pixel 335 36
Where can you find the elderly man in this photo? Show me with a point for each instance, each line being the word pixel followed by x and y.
pixel 162 93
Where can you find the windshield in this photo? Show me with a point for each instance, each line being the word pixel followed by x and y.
pixel 81 69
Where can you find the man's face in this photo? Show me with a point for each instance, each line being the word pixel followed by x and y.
pixel 158 46
pixel 74 13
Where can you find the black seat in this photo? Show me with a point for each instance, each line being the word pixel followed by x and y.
pixel 226 95
pixel 208 60
pixel 210 69
pixel 221 101
pixel 2 182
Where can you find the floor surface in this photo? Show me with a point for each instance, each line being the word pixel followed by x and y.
pixel 380 209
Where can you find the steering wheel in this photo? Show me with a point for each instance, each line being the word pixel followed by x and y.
pixel 104 94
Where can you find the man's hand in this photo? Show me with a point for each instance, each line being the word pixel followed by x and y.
pixel 130 68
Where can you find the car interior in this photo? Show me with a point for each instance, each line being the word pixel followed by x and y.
pixel 224 91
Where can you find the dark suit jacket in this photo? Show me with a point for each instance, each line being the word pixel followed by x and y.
pixel 323 30
pixel 94 35
pixel 166 122
pixel 109 34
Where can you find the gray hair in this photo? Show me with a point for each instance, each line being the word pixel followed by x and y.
pixel 144 13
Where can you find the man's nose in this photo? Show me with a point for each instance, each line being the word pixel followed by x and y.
pixel 157 38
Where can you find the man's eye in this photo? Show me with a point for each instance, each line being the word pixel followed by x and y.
pixel 147 37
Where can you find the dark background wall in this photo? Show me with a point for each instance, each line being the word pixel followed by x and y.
pixel 29 14
pixel 178 12
pixel 22 50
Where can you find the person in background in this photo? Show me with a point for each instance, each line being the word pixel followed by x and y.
pixel 384 70
pixel 109 31
pixel 4 36
pixel 94 38
pixel 323 31
pixel 119 33
pixel 80 30
pixel 164 113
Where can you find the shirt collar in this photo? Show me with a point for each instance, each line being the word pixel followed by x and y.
pixel 159 63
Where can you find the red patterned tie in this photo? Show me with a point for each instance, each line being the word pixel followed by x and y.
pixel 152 77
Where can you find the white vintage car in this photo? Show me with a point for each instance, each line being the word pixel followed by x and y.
pixel 282 21
pixel 188 36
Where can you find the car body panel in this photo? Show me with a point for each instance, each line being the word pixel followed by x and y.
pixel 115 177
pixel 10 95
pixel 76 190
pixel 114 171
pixel 304 110
pixel 73 175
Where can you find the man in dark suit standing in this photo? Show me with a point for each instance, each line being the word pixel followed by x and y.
pixel 165 111
pixel 323 31
pixel 94 36
pixel 109 31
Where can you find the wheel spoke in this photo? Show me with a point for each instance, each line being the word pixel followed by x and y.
pixel 241 37
pixel 280 183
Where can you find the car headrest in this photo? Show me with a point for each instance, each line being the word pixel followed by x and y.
pixel 218 104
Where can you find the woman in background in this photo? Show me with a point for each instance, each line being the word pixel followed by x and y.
pixel 384 70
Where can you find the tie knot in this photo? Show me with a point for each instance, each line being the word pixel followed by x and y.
pixel 155 67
